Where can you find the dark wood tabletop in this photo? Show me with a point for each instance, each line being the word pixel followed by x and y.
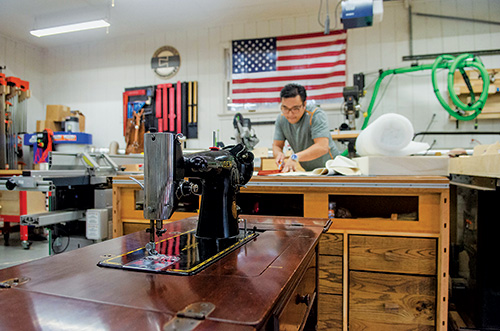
pixel 70 289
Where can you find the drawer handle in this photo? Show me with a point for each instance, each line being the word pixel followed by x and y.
pixel 303 299
pixel 391 307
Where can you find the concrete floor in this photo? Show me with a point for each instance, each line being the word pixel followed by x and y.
pixel 16 254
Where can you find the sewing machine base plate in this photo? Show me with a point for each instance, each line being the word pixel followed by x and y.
pixel 180 254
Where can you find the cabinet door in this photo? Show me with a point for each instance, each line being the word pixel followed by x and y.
pixel 379 301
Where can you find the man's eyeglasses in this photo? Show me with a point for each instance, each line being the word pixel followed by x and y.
pixel 293 110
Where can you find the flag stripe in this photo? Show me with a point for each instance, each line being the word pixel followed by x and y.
pixel 277 99
pixel 311 56
pixel 313 45
pixel 308 66
pixel 311 94
pixel 285 78
pixel 278 88
pixel 337 79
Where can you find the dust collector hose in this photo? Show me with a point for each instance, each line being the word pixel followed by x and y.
pixel 443 62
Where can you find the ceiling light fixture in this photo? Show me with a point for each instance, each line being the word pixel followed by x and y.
pixel 70 28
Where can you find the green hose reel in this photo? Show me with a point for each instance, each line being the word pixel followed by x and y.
pixel 462 61
pixel 453 64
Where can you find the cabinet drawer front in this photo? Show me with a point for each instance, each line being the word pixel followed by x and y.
pixel 393 254
pixel 329 312
pixel 386 301
pixel 294 313
pixel 330 274
pixel 331 244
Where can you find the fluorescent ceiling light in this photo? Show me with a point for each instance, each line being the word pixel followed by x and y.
pixel 70 28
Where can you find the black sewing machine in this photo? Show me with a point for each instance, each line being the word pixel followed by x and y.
pixel 221 173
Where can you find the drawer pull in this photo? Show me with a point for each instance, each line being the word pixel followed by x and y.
pixel 303 299
pixel 391 307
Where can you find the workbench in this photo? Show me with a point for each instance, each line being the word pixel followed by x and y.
pixel 268 283
pixel 385 266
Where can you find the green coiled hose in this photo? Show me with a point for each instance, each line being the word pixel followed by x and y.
pixel 444 62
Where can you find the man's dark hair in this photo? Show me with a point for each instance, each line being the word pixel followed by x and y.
pixel 292 90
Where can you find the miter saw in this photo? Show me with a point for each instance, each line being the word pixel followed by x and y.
pixel 244 134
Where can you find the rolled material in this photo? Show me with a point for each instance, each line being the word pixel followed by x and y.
pixel 390 135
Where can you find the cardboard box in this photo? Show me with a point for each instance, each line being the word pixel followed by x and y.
pixel 56 113
pixel 54 126
pixel 40 125
pixel 81 119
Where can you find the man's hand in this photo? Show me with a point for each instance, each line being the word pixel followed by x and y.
pixel 290 166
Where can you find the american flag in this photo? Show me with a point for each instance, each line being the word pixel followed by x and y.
pixel 261 67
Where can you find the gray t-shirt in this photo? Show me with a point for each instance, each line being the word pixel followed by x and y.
pixel 301 135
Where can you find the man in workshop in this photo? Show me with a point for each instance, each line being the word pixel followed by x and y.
pixel 305 128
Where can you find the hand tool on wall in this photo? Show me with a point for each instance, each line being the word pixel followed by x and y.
pixel 184 107
pixel 13 118
pixel 135 134
pixel 126 96
pixel 165 106
pixel 158 108
pixel 171 109
pixel 193 101
pixel 178 91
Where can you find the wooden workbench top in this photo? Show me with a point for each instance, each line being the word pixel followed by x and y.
pixel 330 179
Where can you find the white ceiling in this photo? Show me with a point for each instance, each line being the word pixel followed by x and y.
pixel 135 17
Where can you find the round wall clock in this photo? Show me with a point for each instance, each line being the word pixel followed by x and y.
pixel 166 62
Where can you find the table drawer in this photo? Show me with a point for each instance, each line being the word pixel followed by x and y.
pixel 331 244
pixel 393 254
pixel 330 274
pixel 295 312
pixel 392 302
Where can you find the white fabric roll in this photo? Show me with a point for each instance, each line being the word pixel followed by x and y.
pixel 391 135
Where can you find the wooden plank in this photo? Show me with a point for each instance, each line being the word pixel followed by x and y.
pixel 393 302
pixel 117 205
pixel 443 263
pixel 330 312
pixel 316 205
pixel 129 228
pixel 9 203
pixel 330 275
pixel 393 254
pixel 35 202
pixel 478 165
pixel 331 244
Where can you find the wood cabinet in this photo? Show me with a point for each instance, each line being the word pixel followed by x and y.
pixel 383 265
pixel 384 262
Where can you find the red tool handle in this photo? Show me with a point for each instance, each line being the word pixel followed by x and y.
pixel 158 103
pixel 171 111
pixel 165 110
